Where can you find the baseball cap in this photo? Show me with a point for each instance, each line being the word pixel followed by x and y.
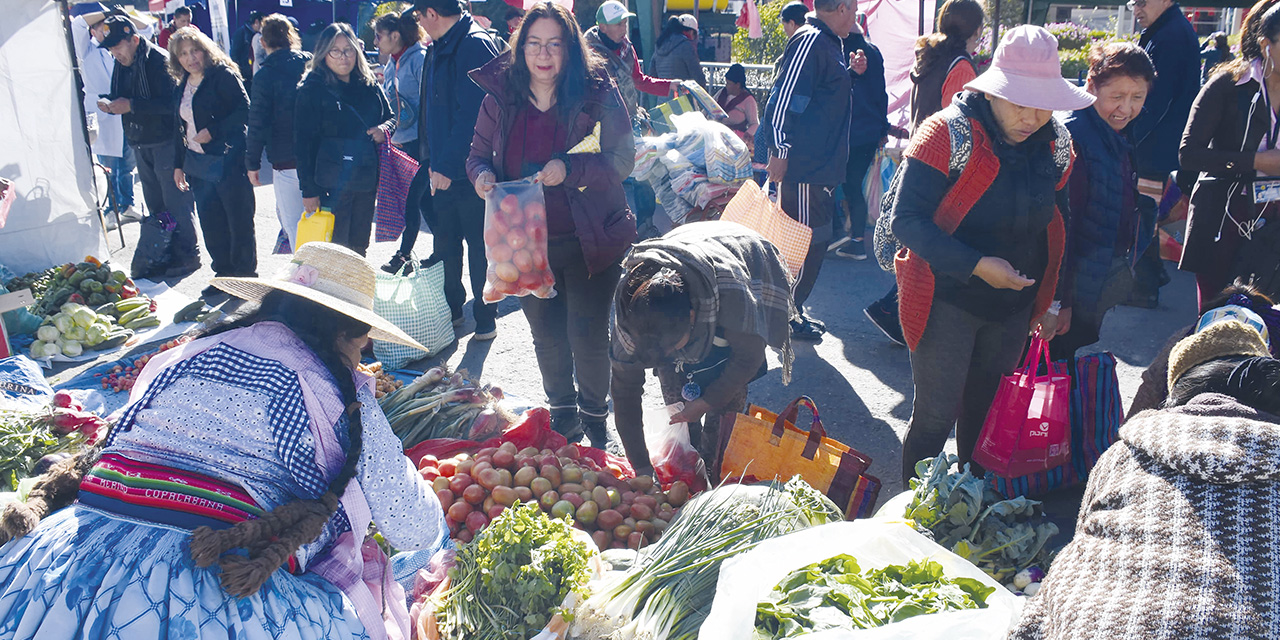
pixel 612 12
pixel 688 21
pixel 118 29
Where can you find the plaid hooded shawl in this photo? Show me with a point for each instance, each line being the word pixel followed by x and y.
pixel 736 279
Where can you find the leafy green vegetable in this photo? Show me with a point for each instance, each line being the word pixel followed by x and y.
pixel 836 594
pixel 24 439
pixel 669 592
pixel 817 507
pixel 513 577
pixel 967 516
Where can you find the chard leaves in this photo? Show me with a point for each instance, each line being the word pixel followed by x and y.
pixel 836 594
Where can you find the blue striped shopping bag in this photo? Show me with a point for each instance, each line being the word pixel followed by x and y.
pixel 1096 416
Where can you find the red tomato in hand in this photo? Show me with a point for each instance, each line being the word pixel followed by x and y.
pixel 539 260
pixel 500 253
pixel 493 237
pixel 509 203
pixel 517 239
pixel 523 260
pixel 506 272
pixel 502 287
pixel 530 281
pixel 536 213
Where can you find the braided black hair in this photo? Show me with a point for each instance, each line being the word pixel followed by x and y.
pixel 654 310
pixel 272 539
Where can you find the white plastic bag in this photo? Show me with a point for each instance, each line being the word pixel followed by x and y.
pixel 745 580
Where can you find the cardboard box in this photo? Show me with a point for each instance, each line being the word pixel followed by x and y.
pixel 9 302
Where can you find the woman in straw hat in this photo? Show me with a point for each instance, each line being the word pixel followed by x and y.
pixel 235 489
pixel 1176 533
pixel 979 210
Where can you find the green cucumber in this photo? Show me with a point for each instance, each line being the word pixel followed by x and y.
pixel 129 304
pixel 134 315
pixel 144 322
pixel 189 312
pixel 113 340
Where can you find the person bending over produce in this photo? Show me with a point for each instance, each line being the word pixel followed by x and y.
pixel 227 493
pixel 698 306
pixel 1176 536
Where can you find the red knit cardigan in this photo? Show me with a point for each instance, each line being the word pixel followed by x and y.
pixel 931 144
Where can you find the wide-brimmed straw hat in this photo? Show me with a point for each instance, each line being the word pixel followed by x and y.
pixel 331 275
pixel 1026 72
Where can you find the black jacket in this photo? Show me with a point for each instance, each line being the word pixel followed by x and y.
pixel 450 100
pixel 1175 51
pixel 330 129
pixel 150 91
pixel 220 105
pixel 271 111
pixel 869 119
pixel 1009 220
pixel 242 50
pixel 1228 123
pixel 808 110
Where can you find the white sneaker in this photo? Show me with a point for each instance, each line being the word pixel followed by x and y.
pixel 111 221
pixel 130 215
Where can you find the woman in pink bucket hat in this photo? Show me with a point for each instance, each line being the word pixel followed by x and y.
pixel 978 211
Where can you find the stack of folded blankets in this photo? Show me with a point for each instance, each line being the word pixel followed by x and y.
pixel 692 166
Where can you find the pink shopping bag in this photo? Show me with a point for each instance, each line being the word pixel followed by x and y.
pixel 1028 427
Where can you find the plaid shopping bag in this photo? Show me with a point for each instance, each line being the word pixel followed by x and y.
pixel 752 208
pixel 415 303
pixel 660 116
pixel 395 173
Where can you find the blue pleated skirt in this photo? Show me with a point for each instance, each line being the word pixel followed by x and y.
pixel 85 573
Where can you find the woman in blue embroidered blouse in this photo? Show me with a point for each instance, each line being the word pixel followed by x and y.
pixel 257 448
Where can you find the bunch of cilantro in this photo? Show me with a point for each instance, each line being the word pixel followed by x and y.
pixel 964 514
pixel 513 577
pixel 836 594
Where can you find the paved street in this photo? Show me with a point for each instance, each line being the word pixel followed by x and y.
pixel 860 380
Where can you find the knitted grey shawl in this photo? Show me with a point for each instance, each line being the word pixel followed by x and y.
pixel 736 279
pixel 1178 534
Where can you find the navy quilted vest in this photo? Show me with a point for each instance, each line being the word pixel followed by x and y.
pixel 1098 226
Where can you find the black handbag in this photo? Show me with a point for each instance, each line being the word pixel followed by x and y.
pixel 344 164
pixel 204 166
pixel 155 240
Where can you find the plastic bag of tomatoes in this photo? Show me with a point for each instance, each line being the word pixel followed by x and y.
pixel 515 240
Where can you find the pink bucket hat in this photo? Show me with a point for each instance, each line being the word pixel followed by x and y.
pixel 1026 72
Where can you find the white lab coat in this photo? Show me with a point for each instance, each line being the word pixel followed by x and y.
pixel 96 67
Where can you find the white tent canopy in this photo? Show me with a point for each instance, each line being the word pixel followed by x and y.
pixel 43 148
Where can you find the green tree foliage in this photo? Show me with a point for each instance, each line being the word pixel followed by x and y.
pixel 762 50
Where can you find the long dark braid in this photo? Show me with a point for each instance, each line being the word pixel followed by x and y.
pixel 273 538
